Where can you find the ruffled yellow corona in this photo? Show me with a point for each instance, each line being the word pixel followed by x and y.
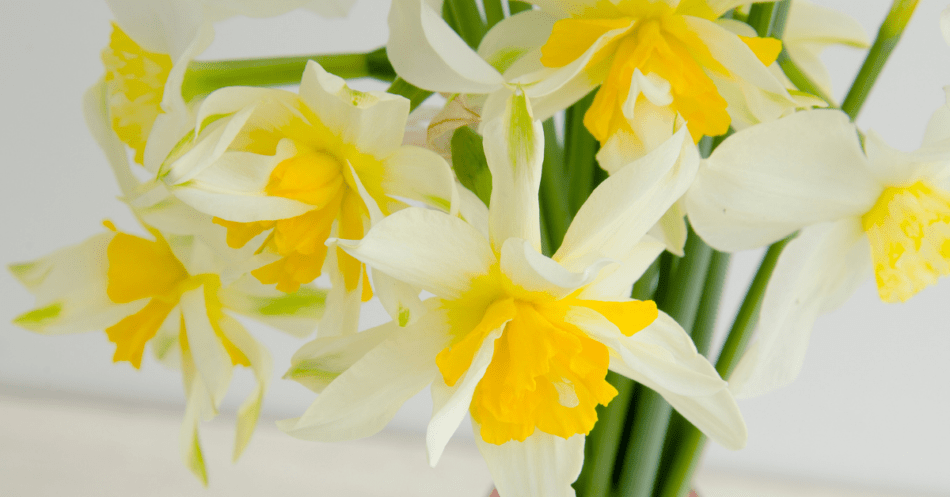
pixel 545 373
pixel 909 231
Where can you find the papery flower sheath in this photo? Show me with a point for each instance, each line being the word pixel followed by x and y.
pixel 169 289
pixel 856 210
pixel 520 341
pixel 288 170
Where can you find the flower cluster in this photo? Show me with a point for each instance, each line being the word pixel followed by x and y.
pixel 295 208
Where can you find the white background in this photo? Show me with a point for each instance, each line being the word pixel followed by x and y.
pixel 872 404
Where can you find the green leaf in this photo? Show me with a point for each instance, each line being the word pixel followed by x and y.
pixel 468 160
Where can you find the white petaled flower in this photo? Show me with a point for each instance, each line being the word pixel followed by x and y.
pixel 855 210
pixel 519 340
pixel 285 171
pixel 169 290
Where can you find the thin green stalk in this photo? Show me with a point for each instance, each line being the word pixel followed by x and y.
pixel 204 77
pixel 760 17
pixel 680 300
pixel 603 441
pixel 554 191
pixel 800 79
pixel 494 12
pixel 463 16
pixel 580 149
pixel 887 37
pixel 705 323
pixel 415 95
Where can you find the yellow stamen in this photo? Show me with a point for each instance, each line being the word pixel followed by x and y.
pixel 909 232
pixel 135 81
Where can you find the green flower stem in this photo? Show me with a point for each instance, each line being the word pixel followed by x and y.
pixel 705 323
pixel 680 300
pixel 887 37
pixel 800 79
pixel 760 17
pixel 603 441
pixel 415 95
pixel 580 150
pixel 494 12
pixel 554 191
pixel 205 77
pixel 463 16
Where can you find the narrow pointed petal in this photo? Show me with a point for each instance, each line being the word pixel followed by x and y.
pixel 543 465
pixel 419 174
pixel 210 357
pixel 95 110
pixel 400 299
pixel 360 401
pixel 617 282
pixel 296 313
pixel 938 129
pixel 473 210
pixel 426 52
pixel 815 274
pixel 767 181
pixel 628 203
pixel 342 312
pixel 261 365
pixel 533 272
pixel 450 404
pixel 428 249
pixel 514 148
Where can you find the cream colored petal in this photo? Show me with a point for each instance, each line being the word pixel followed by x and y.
pixel 400 299
pixel 812 23
pixel 96 112
pixel 342 312
pixel 160 26
pixel 372 121
pixel 428 249
pixel 514 148
pixel 735 55
pixel 621 210
pixel 450 404
pixel 473 210
pixel 419 174
pixel 322 360
pixel 211 360
pixel 295 313
pixel 188 441
pixel 617 281
pixel 241 208
pixel 654 126
pixel 532 272
pixel 426 52
pixel 543 465
pixel 938 128
pixel 261 365
pixel 662 352
pixel 671 229
pixel 767 181
pixel 361 400
pixel 815 274
pixel 514 36
pixel 209 145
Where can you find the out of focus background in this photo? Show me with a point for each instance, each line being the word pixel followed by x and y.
pixel 869 415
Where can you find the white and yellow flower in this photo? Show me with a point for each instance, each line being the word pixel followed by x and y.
pixel 291 170
pixel 169 290
pixel 857 211
pixel 520 341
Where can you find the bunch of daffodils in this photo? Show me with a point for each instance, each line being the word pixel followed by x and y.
pixel 550 254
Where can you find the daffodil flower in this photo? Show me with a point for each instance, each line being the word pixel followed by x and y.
pixel 520 341
pixel 856 211
pixel 289 170
pixel 151 45
pixel 170 290
pixel 659 63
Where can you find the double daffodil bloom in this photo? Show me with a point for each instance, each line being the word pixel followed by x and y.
pixel 520 341
pixel 169 290
pixel 659 63
pixel 289 171
pixel 151 45
pixel 857 211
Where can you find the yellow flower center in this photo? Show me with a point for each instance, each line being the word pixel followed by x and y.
pixel 145 269
pixel 909 231
pixel 135 82
pixel 545 373
pixel 318 175
pixel 657 40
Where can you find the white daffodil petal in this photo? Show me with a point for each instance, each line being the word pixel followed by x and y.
pixel 938 129
pixel 621 210
pixel 341 315
pixel 428 249
pixel 662 352
pixel 671 229
pixel 514 149
pixel 210 357
pixel 473 210
pixel 514 36
pixel 533 272
pixel 767 181
pixel 320 361
pixel 816 273
pixel 450 404
pixel 542 466
pixel 426 52
pixel 296 313
pixel 188 435
pixel 735 55
pixel 95 109
pixel 241 208
pixel 160 26
pixel 419 174
pixel 372 121
pixel 360 401
pixel 617 282
pixel 811 23
pixel 261 364
pixel 654 126
pixel 165 345
pixel 400 299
